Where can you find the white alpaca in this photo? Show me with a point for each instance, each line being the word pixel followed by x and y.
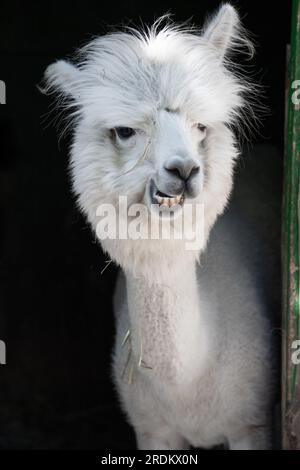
pixel 152 116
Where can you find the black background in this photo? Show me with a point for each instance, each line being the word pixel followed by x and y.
pixel 55 306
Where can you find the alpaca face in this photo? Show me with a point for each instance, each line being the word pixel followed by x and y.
pixel 173 147
pixel 151 117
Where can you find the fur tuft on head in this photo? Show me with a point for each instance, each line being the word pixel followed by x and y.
pixel 181 49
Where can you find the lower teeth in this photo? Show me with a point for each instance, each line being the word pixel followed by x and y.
pixel 169 202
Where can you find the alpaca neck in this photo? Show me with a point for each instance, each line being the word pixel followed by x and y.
pixel 167 330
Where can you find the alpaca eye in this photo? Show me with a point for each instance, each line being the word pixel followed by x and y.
pixel 124 132
pixel 201 127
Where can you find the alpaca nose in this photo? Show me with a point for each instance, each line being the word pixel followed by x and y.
pixel 182 168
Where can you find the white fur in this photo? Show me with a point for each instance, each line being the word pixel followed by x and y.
pixel 200 332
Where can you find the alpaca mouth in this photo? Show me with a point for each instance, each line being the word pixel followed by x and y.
pixel 163 200
pixel 167 200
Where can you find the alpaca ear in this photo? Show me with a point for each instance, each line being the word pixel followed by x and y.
pixel 221 30
pixel 63 77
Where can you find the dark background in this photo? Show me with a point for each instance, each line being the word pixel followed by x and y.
pixel 55 306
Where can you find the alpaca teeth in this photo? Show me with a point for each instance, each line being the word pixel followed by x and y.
pixel 169 201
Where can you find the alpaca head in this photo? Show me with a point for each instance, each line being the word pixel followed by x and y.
pixel 152 114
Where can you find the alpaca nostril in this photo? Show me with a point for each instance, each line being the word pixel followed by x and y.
pixel 175 171
pixel 194 171
pixel 182 169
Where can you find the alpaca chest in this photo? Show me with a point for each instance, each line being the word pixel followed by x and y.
pixel 194 409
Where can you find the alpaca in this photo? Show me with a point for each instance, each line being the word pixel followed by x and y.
pixel 154 115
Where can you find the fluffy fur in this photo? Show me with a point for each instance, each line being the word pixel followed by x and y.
pixel 193 370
